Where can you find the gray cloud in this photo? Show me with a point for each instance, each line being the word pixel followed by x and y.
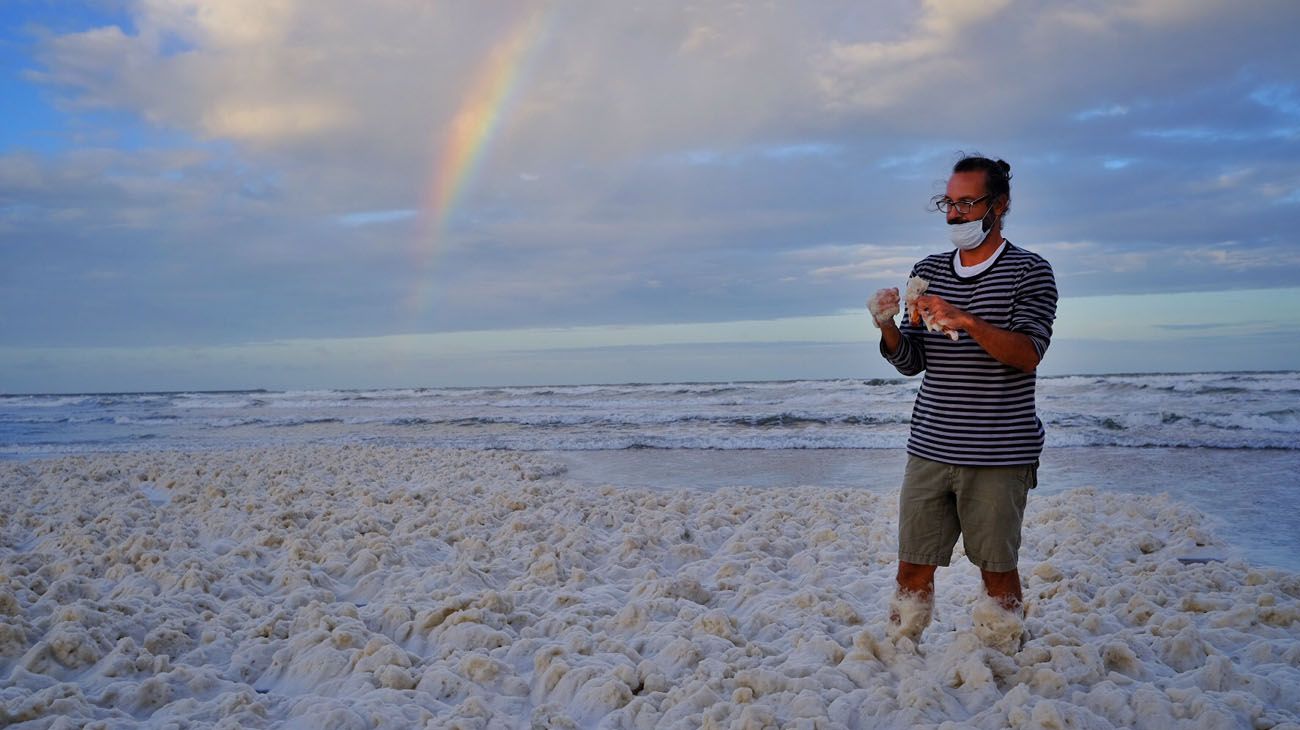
pixel 651 164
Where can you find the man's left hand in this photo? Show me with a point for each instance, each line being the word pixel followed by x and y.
pixel 1007 347
pixel 939 315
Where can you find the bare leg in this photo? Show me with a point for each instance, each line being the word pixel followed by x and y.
pixel 915 579
pixel 1003 588
pixel 913 604
pixel 999 623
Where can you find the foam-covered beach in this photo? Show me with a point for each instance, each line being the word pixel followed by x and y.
pixel 367 586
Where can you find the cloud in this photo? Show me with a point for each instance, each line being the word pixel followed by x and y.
pixel 245 169
pixel 1232 256
pixel 254 121
pixel 877 75
pixel 884 264
pixel 1198 134
pixel 876 270
pixel 1200 326
pixel 1280 97
pixel 372 217
pixel 1102 112
pixel 234 24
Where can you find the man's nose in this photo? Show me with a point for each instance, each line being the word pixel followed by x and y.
pixel 953 214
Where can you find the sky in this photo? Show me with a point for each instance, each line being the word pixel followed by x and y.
pixel 409 193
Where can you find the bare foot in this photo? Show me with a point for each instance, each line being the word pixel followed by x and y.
pixel 909 614
pixel 999 629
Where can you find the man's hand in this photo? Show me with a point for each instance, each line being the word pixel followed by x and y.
pixel 1007 347
pixel 940 316
pixel 883 306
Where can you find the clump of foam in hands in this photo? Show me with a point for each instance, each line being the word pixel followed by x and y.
pixel 916 287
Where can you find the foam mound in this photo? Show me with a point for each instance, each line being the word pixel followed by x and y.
pixel 362 587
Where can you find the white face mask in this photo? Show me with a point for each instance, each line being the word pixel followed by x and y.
pixel 966 236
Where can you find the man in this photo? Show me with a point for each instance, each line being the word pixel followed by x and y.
pixel 978 332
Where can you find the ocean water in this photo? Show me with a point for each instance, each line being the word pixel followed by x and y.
pixel 1214 410
pixel 1229 443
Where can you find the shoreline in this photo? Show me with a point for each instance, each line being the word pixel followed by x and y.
pixel 1250 521
pixel 1257 530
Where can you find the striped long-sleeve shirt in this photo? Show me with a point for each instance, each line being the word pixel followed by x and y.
pixel 971 409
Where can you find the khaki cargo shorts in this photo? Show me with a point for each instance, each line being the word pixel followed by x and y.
pixel 985 505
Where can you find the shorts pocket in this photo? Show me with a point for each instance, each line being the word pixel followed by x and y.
pixel 1029 480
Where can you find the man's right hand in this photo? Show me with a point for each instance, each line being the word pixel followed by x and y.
pixel 883 306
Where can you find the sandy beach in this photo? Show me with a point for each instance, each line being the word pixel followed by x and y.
pixel 365 586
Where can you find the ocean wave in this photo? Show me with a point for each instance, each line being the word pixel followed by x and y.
pixel 1286 421
pixel 1188 383
pixel 262 422
pixel 761 420
pixel 1173 441
pixel 156 420
pixel 1213 410
pixel 225 403
pixel 52 420
pixel 43 401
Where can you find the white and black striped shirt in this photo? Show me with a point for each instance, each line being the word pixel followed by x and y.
pixel 973 410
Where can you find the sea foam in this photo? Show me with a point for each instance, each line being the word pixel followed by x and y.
pixel 386 587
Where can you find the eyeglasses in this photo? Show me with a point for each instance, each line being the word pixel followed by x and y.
pixel 943 203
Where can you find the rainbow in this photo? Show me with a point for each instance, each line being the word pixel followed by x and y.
pixel 467 138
